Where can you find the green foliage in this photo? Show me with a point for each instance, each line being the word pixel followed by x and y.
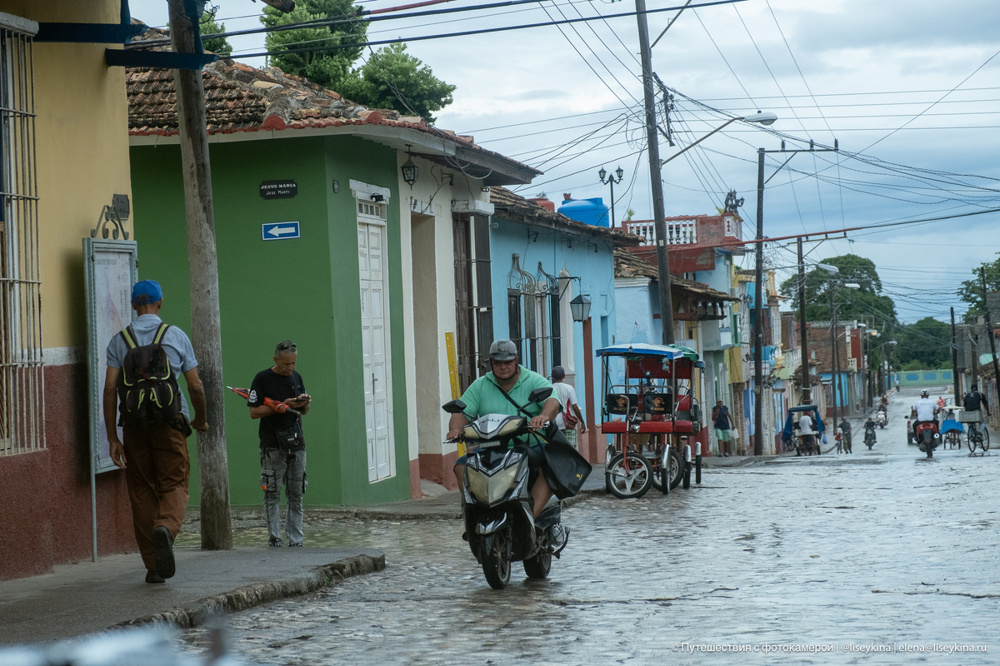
pixel 864 304
pixel 971 291
pixel 327 68
pixel 925 344
pixel 393 79
pixel 208 26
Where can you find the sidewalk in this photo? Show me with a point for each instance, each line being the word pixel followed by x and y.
pixel 89 597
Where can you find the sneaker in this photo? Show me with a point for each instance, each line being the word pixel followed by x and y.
pixel 163 546
pixel 558 536
pixel 295 545
pixel 275 542
pixel 153 577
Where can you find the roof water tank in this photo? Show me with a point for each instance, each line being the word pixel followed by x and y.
pixel 588 211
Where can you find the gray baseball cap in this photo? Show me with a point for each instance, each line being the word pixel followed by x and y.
pixel 503 350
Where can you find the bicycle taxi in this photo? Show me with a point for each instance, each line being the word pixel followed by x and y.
pixel 651 410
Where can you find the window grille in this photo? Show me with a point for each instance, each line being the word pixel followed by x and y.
pixel 21 367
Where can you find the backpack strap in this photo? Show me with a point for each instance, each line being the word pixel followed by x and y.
pixel 511 400
pixel 161 330
pixel 128 335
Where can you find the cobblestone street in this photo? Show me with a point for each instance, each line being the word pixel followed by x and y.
pixel 838 554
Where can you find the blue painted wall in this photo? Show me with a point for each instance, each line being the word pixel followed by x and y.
pixel 589 259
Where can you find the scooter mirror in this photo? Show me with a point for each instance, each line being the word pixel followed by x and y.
pixel 540 394
pixel 454 407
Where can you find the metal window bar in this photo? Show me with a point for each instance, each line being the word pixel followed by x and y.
pixel 21 364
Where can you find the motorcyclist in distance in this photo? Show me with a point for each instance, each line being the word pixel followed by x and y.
pixel 870 427
pixel 485 396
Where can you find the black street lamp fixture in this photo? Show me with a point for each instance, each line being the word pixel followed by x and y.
pixel 580 307
pixel 409 169
pixel 611 181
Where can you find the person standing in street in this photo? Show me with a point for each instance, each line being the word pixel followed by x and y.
pixel 845 435
pixel 570 416
pixel 282 443
pixel 154 453
pixel 723 427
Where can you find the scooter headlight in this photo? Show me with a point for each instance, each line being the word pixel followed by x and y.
pixel 490 489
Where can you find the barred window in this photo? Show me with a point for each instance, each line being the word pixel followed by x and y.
pixel 21 384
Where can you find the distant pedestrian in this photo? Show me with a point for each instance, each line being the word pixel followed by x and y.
pixel 723 427
pixel 570 417
pixel 845 435
pixel 154 454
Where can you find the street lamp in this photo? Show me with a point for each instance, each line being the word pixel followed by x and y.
pixel 660 231
pixel 611 181
pixel 758 448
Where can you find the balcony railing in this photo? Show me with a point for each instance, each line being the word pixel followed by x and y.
pixel 684 232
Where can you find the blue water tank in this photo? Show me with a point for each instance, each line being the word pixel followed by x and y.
pixel 588 211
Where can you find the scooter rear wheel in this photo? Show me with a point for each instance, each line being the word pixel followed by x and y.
pixel 496 559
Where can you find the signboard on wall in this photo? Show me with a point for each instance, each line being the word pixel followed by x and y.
pixel 111 270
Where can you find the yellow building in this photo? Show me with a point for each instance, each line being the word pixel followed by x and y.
pixel 63 156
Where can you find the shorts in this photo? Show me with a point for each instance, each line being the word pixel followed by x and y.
pixel 723 435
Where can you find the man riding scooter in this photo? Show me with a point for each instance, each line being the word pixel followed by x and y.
pixel 924 412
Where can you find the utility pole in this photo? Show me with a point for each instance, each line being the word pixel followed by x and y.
pixel 989 334
pixel 653 148
pixel 803 343
pixel 954 355
pixel 834 360
pixel 206 328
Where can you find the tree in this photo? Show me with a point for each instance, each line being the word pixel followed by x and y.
pixel 328 68
pixel 865 304
pixel 971 291
pixel 924 345
pixel 393 79
pixel 218 45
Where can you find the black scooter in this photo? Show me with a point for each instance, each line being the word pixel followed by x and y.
pixel 496 495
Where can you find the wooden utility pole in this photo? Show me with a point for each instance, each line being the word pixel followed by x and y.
pixel 206 328
pixel 653 149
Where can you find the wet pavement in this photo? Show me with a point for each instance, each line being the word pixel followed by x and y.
pixel 874 557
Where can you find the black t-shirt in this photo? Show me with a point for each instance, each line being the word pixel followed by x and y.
pixel 269 384
pixel 973 401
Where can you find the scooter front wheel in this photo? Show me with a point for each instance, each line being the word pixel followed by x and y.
pixel 496 559
pixel 539 565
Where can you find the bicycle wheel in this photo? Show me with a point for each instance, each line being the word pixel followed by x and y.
pixel 986 440
pixel 628 478
pixel 972 438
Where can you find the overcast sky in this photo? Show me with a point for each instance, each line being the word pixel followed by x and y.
pixel 909 89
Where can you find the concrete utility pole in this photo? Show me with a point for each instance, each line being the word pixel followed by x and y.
pixel 206 328
pixel 989 333
pixel 804 342
pixel 954 355
pixel 653 148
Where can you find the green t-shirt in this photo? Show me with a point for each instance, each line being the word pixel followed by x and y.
pixel 485 397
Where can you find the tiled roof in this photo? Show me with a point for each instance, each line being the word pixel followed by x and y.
pixel 630 265
pixel 240 98
pixel 516 208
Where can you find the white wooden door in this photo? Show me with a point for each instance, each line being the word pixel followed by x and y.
pixel 376 352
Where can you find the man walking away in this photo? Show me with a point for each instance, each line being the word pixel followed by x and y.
pixel 144 361
pixel 570 416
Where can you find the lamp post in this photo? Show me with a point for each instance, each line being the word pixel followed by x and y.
pixel 758 447
pixel 666 308
pixel 611 181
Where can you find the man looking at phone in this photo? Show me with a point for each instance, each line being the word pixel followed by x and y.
pixel 282 445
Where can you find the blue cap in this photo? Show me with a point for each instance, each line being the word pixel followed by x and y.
pixel 145 292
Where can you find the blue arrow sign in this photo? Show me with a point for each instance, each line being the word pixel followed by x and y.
pixel 279 230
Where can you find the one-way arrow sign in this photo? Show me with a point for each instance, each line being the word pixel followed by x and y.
pixel 279 230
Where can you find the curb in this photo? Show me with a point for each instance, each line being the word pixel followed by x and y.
pixel 243 598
